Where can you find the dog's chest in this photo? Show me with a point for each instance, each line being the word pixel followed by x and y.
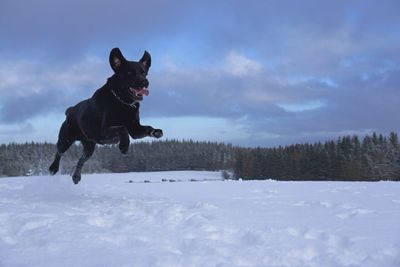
pixel 110 136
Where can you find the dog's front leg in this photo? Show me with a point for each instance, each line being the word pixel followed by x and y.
pixel 138 131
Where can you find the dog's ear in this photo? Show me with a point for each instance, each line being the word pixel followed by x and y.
pixel 146 60
pixel 117 60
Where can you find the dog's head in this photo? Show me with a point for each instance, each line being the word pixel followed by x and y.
pixel 130 76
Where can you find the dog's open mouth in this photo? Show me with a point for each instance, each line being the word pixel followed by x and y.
pixel 139 92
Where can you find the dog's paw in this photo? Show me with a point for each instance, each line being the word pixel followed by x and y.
pixel 53 169
pixel 157 133
pixel 76 178
pixel 123 148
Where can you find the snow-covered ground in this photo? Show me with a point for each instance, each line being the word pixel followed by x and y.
pixel 120 220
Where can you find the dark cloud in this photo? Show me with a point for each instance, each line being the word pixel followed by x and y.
pixel 356 105
pixel 65 29
pixel 242 61
pixel 17 109
pixel 358 108
pixel 30 89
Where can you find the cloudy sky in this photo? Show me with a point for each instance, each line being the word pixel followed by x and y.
pixel 251 73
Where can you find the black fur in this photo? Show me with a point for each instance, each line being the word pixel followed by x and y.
pixel 111 115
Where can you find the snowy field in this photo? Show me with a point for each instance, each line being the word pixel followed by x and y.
pixel 120 220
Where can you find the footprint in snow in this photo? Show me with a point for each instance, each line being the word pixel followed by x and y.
pixel 323 204
pixel 35 224
pixel 354 212
pixel 330 240
pixel 301 204
pixel 100 221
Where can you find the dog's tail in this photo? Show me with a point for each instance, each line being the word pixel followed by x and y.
pixel 68 111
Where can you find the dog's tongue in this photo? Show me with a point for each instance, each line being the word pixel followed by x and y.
pixel 143 91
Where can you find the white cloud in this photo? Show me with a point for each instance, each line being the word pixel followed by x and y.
pixel 240 65
pixel 24 78
pixel 302 106
pixel 89 70
pixel 32 88
pixel 17 75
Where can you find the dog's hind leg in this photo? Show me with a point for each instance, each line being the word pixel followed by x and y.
pixel 88 149
pixel 63 143
pixel 53 169
pixel 123 140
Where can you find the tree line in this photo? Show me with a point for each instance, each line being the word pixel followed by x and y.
pixel 35 158
pixel 374 157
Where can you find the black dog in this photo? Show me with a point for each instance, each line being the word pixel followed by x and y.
pixel 110 115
